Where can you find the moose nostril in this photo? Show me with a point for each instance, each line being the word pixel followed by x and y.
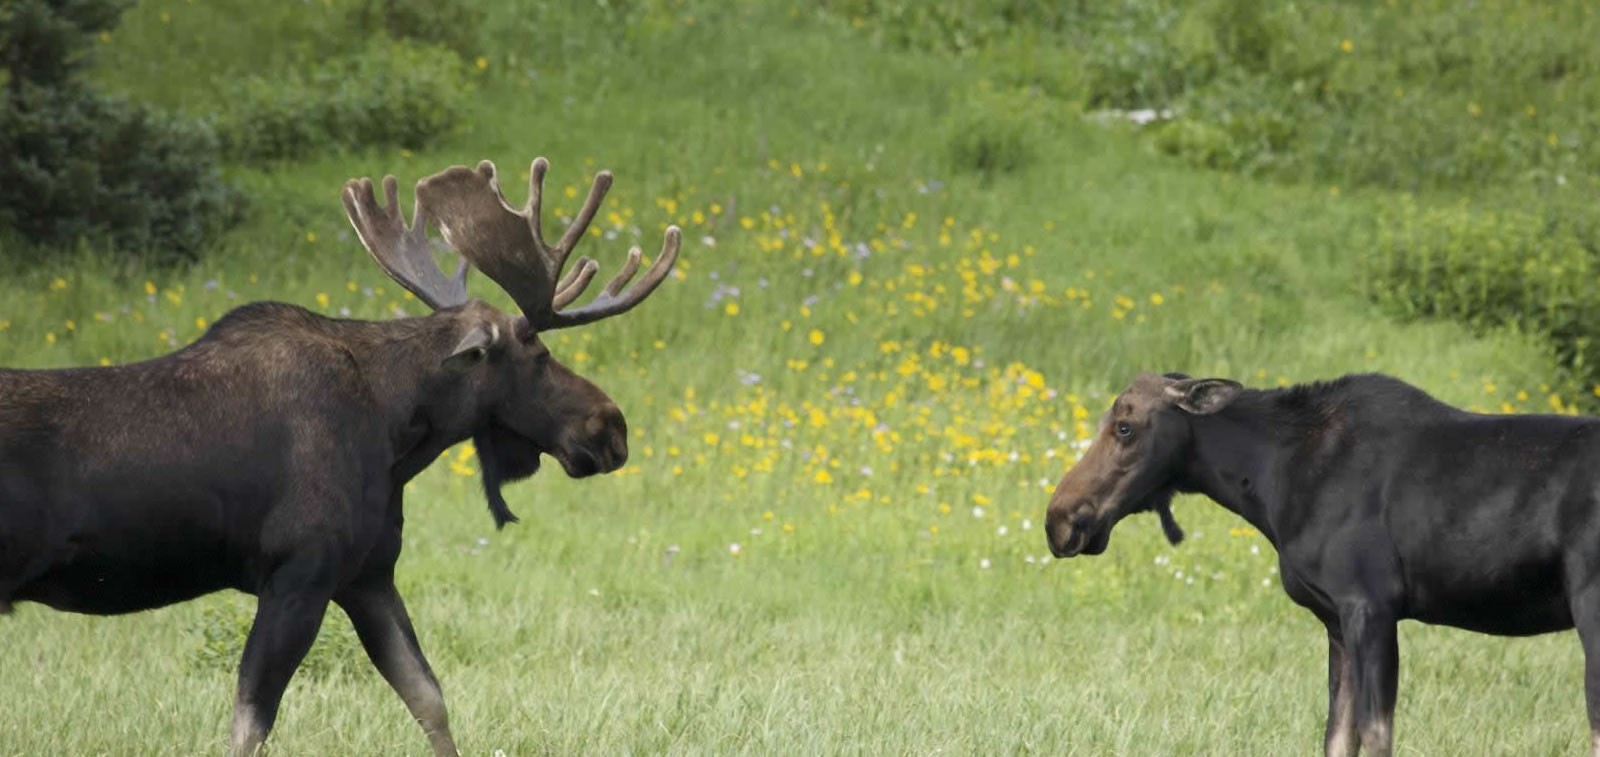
pixel 607 433
pixel 1057 532
pixel 619 450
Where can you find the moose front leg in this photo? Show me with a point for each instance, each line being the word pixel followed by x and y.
pixel 1590 636
pixel 1586 616
pixel 289 610
pixel 1373 648
pixel 380 619
pixel 1339 740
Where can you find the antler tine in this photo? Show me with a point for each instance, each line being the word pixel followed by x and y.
pixel 612 300
pixel 580 224
pixel 403 253
pixel 576 281
pixel 617 282
pixel 535 212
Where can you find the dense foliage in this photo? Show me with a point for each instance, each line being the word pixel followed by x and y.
pixel 387 94
pixel 77 165
pixel 1403 95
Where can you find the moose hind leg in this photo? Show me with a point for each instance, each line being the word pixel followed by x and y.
pixel 1339 740
pixel 380 620
pixel 289 612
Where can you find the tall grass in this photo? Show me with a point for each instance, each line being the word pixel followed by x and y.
pixel 845 415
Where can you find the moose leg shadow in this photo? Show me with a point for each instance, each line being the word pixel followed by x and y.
pixel 379 617
pixel 289 610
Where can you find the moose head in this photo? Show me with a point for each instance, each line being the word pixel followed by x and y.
pixel 516 401
pixel 1135 462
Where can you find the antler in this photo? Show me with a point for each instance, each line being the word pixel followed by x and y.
pixel 508 245
pixel 402 252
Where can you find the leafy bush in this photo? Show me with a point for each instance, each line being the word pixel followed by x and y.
pixel 451 24
pixel 1489 269
pixel 954 27
pixel 995 133
pixel 1231 126
pixel 76 165
pixel 1402 95
pixel 43 43
pixel 391 93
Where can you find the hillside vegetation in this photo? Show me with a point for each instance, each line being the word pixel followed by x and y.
pixel 923 251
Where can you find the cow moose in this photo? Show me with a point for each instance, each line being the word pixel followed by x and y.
pixel 270 455
pixel 1383 504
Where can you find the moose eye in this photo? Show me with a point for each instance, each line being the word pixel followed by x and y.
pixel 1124 430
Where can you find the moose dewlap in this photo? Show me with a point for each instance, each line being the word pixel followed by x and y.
pixel 1383 504
pixel 270 456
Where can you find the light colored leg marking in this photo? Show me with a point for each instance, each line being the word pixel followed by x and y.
pixel 247 737
pixel 1341 728
pixel 1377 738
pixel 1343 742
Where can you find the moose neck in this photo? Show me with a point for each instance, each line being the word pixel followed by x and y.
pixel 1240 458
pixel 401 362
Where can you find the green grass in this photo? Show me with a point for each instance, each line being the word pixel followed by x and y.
pixel 1431 94
pixel 870 625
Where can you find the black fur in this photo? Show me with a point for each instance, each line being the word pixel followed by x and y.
pixel 1385 504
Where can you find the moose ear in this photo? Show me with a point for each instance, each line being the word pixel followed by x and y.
pixel 473 347
pixel 1203 396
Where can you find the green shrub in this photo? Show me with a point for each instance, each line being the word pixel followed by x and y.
pixel 1403 95
pixel 45 42
pixel 958 26
pixel 1490 270
pixel 1231 126
pixel 76 165
pixel 995 132
pixel 1027 63
pixel 391 93
pixel 1128 61
pixel 451 24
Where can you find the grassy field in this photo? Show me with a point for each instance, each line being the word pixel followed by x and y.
pixel 847 411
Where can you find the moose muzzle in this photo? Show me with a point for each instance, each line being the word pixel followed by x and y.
pixel 1075 520
pixel 599 446
pixel 1072 529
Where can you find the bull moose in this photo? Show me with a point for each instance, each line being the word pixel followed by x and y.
pixel 1383 504
pixel 270 455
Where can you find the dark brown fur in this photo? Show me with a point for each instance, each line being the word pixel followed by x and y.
pixel 270 456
